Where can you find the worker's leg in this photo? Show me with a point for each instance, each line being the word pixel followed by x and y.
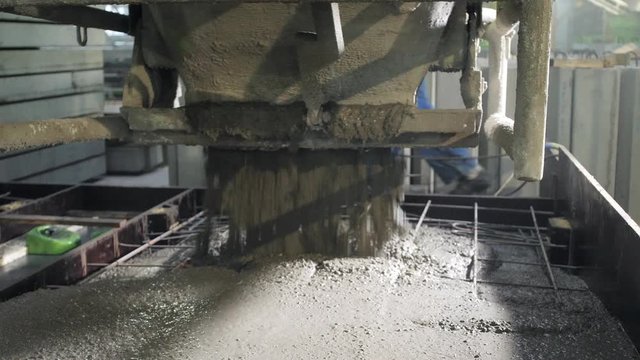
pixel 451 163
pixel 459 164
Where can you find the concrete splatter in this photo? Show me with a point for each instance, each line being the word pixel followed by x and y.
pixel 411 303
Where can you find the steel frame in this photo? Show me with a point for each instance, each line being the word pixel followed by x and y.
pixel 145 218
pixel 605 234
pixel 157 210
pixel 603 230
pixel 492 210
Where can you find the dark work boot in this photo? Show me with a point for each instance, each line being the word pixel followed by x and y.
pixel 477 185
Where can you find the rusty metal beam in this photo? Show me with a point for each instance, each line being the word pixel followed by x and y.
pixel 52 201
pixel 74 265
pixel 252 126
pixel 59 220
pixel 342 124
pixel 87 201
pixel 82 16
pixel 30 134
pixel 310 142
pixel 157 239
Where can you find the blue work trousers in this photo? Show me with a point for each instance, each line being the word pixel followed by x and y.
pixel 448 163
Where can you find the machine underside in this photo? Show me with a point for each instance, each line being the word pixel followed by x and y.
pixel 320 75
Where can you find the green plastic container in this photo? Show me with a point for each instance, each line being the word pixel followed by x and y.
pixel 51 240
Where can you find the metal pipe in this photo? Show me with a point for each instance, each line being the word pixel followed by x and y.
pixel 475 249
pixel 529 285
pixel 544 254
pixel 155 240
pixel 159 246
pixel 519 243
pixel 522 138
pixel 499 127
pixel 499 34
pixel 462 207
pixel 422 216
pixel 83 16
pixel 459 224
pixel 181 234
pixel 106 265
pixel 570 267
pixel 534 38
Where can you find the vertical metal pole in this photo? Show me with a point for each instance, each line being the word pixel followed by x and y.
pixel 422 216
pixel 531 97
pixel 406 153
pixel 572 247
pixel 432 181
pixel 475 249
pixel 544 253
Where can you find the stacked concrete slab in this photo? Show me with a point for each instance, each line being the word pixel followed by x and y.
pixel 627 191
pixel 594 126
pixel 595 113
pixel 44 73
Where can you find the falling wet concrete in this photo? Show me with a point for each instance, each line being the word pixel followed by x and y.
pixel 333 202
pixel 412 303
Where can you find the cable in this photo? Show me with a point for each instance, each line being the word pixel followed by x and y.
pixel 452 158
pixel 513 192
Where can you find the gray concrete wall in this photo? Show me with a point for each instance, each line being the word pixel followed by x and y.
pixel 186 166
pixel 594 130
pixel 133 159
pixel 595 113
pixel 45 74
pixel 563 12
pixel 627 191
pixel 560 106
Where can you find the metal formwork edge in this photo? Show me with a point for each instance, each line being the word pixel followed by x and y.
pixel 610 234
pixel 74 265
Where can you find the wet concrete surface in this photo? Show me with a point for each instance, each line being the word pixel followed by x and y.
pixel 413 303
